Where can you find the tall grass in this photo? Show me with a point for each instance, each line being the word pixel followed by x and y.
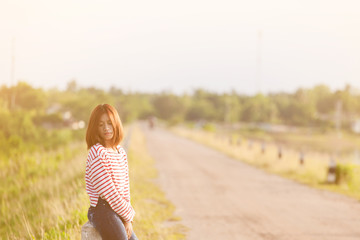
pixel 43 195
pixel 41 192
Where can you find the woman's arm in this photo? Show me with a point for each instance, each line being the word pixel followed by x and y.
pixel 104 185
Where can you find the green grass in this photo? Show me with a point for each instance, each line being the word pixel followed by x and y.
pixel 43 195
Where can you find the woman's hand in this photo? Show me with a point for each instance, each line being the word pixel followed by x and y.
pixel 128 228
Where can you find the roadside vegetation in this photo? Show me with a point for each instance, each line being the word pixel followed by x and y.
pixel 292 157
pixel 46 198
pixel 42 194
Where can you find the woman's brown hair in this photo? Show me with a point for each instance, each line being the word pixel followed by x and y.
pixel 92 132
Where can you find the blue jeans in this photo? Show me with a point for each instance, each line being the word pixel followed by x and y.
pixel 107 222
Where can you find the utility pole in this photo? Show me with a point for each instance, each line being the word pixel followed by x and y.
pixel 338 118
pixel 259 61
pixel 227 110
pixel 338 112
pixel 12 74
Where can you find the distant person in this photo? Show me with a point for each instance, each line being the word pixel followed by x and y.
pixel 151 122
pixel 107 176
pixel 279 152
pixel 302 157
pixel 263 147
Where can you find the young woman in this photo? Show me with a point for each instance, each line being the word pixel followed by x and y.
pixel 107 176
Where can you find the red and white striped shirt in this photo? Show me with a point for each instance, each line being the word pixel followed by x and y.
pixel 107 176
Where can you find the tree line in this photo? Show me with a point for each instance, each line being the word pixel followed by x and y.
pixel 33 114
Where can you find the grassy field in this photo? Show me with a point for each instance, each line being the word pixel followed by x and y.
pixel 43 195
pixel 262 150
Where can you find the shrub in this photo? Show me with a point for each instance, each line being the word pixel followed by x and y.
pixel 209 127
pixel 344 174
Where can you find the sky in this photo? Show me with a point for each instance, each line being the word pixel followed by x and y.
pixel 178 46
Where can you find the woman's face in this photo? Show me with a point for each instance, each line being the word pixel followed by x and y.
pixel 106 130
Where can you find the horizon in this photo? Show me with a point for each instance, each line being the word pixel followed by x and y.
pixel 353 90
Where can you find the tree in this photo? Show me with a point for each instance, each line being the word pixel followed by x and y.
pixel 259 109
pixel 72 86
pixel 325 102
pixel 168 106
pixel 26 97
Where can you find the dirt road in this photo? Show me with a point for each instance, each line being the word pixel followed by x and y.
pixel 221 198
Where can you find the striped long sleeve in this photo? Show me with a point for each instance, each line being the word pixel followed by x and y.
pixel 107 176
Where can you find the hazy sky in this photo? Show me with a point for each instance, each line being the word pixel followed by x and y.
pixel 181 45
